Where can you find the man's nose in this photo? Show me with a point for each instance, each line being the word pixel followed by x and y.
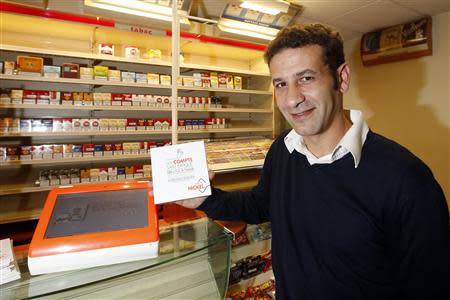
pixel 295 95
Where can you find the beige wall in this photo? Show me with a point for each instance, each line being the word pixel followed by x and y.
pixel 408 101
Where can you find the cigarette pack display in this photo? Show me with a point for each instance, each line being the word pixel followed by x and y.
pixel 30 97
pixel 57 125
pixel 128 76
pixel 138 171
pixel 47 151
pixel 77 150
pixel 95 124
pixel 150 124
pixel 103 174
pixel 106 99
pixel 17 94
pixel 67 124
pixel 141 78
pixel 132 52
pixel 74 176
pixel 98 150
pixel 214 79
pixel 116 99
pixel 238 82
pixel 131 124
pixel 146 169
pixel 136 100
pixel 25 125
pixel 154 54
pixel 166 101
pixel 112 173
pixel 12 153
pixel 25 152
pixel 88 150
pixel 165 79
pixel 114 75
pixel 69 70
pixel 55 97
pixel 106 49
pixel 103 124
pixel 88 99
pixel 52 71
pixel 9 67
pixel 77 98
pixel 117 149
pixel 127 100
pixel 126 148
pixel 150 100
pixel 36 125
pixel 121 124
pixel 28 65
pixel 64 177
pixel 206 80
pixel 85 175
pixel 120 173
pixel 222 77
pixel 58 150
pixel 44 179
pixel 197 79
pixel 153 78
pixel 37 151
pixel 86 73
pixel 101 72
pixel 107 149
pixel 85 125
pixel 129 172
pixel 143 147
pixel 230 83
pixel 141 124
pixel 68 150
pixel 188 81
pixel 135 148
pixel 66 98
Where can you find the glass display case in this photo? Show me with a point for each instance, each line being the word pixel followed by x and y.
pixel 193 263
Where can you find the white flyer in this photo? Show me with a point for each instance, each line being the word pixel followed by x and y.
pixel 179 172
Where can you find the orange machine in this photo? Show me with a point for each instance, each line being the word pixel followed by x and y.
pixel 96 224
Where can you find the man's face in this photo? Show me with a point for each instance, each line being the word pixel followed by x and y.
pixel 304 89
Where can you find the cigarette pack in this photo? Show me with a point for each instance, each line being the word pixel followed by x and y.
pixel 52 71
pixel 69 70
pixel 152 78
pixel 114 75
pixel 86 73
pixel 165 79
pixel 106 49
pixel 132 52
pixel 238 82
pixel 29 65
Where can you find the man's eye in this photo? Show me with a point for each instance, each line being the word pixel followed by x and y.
pixel 306 78
pixel 280 85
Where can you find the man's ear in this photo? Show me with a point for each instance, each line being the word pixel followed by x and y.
pixel 343 75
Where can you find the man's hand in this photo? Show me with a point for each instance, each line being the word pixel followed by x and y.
pixel 195 202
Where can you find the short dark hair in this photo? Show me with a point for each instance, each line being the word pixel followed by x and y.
pixel 301 35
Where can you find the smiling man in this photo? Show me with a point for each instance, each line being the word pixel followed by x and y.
pixel 354 215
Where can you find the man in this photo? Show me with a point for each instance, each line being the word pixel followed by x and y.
pixel 354 215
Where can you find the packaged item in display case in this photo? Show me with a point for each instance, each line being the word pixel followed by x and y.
pixel 238 82
pixel 86 73
pixel 52 71
pixel 101 72
pixel 132 52
pixel 106 49
pixel 69 70
pixel 9 67
pixel 154 54
pixel 30 65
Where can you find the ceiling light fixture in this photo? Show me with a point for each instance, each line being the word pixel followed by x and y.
pixel 138 8
pixel 247 29
pixel 272 7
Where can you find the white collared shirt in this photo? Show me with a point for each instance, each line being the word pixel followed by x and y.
pixel 352 142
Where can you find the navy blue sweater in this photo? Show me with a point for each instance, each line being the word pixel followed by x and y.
pixel 379 231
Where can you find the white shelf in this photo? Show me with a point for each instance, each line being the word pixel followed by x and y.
pixel 132 108
pixel 61 161
pixel 254 92
pixel 132 61
pixel 136 132
pixel 82 81
pixel 127 84
pixel 82 55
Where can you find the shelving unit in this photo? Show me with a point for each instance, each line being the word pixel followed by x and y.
pixel 249 111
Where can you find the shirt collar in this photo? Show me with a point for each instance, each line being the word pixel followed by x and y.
pixel 352 141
